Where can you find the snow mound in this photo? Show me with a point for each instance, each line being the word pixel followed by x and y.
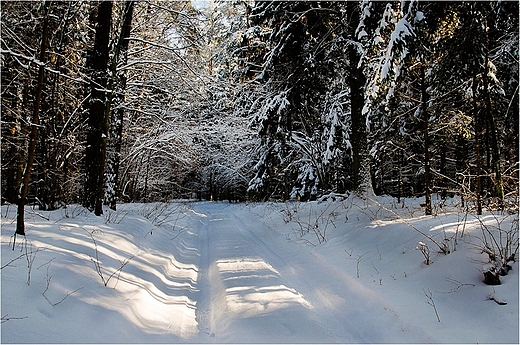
pixel 337 270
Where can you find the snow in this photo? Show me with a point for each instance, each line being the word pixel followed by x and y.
pixel 401 31
pixel 331 271
pixel 419 16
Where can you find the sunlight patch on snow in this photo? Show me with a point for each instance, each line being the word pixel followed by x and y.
pixel 170 266
pixel 38 226
pixel 103 241
pixel 455 226
pixel 244 264
pixel 202 215
pixel 117 242
pixel 250 300
pixel 51 248
pixel 151 292
pixel 246 300
pixel 380 223
pixel 150 309
pixel 329 299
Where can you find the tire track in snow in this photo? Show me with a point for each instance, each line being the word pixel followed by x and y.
pixel 203 311
pixel 247 299
pixel 337 326
pixel 345 311
pixel 243 276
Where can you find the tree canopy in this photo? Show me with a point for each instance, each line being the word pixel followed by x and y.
pixel 258 100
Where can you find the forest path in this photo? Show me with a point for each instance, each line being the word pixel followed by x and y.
pixel 253 282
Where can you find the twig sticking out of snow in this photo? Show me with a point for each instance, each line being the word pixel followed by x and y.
pixel 443 248
pixel 457 287
pixel 97 263
pixel 423 247
pixel 358 260
pixel 430 301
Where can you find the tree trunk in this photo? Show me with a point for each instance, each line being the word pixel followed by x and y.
pixel 95 155
pixel 426 135
pixel 51 150
pixel 360 164
pixel 358 133
pixel 116 115
pixel 14 159
pixel 476 121
pixel 33 136
pixel 495 159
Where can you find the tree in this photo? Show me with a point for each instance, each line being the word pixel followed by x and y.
pixel 99 110
pixel 33 136
pixel 388 32
pixel 263 99
pixel 291 95
pixel 166 80
pixel 357 82
pixel 116 99
pixel 59 151
pixel 54 172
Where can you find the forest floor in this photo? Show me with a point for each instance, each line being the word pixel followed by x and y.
pixel 344 271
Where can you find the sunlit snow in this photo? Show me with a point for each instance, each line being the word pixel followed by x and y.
pixel 214 272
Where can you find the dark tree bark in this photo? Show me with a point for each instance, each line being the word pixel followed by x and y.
pixel 478 187
pixel 495 152
pixel 360 173
pixel 116 115
pixel 51 153
pixel 33 136
pixel 95 155
pixel 357 80
pixel 426 136
pixel 13 160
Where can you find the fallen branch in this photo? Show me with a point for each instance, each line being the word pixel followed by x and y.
pixel 17 258
pixel 5 318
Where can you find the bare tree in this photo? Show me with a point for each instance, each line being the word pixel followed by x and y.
pixel 33 136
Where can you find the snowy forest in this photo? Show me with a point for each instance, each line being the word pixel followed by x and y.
pixel 138 101
pixel 243 171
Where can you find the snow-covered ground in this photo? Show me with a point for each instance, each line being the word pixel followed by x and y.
pixel 345 271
